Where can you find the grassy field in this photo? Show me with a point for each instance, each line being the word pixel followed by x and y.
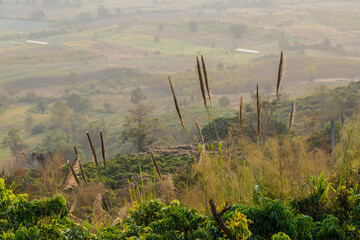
pixel 17 25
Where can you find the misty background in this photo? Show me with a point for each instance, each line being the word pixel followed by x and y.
pixel 71 66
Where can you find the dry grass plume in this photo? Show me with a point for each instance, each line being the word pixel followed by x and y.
pixel 176 104
pixel 92 149
pixel 102 148
pixel 206 77
pixel 202 88
pixel 281 73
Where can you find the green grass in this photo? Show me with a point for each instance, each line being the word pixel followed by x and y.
pixel 5 155
pixel 15 117
pixel 17 25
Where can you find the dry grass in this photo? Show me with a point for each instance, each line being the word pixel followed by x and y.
pixel 155 165
pixel 92 149
pixel 281 73
pixel 103 151
pixel 167 189
pixel 229 144
pixel 176 104
pixel 82 172
pixel 206 77
pixel 281 166
pixel 202 88
pixel 292 114
pixel 241 106
pixel 258 109
pixel 199 132
pixel 71 180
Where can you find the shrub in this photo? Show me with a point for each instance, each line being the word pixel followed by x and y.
pixel 39 128
pixel 280 236
pixel 269 218
pixel 238 29
pixel 329 229
pixel 37 14
pixel 224 101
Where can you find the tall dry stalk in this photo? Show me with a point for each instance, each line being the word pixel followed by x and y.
pixel 73 173
pixel 200 134
pixel 82 171
pixel 206 77
pixel 176 104
pixel 76 152
pixel 281 73
pixel 208 92
pixel 92 149
pixel 180 117
pixel 102 148
pixel 291 123
pixel 241 115
pixel 202 88
pixel 155 164
pixel 258 107
pixel 70 179
pixel 229 143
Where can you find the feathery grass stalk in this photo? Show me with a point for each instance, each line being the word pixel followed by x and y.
pixel 241 115
pixel 92 149
pixel 280 173
pixel 200 134
pixel 76 152
pixel 291 123
pixel 258 107
pixel 102 148
pixel 281 73
pixel 82 171
pixel 180 117
pixel 205 76
pixel 208 92
pixel 229 143
pixel 155 164
pixel 73 173
pixel 202 88
pixel 176 104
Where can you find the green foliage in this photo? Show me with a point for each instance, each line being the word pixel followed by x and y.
pixel 5 102
pixel 322 136
pixel 329 229
pixel 123 168
pixel 77 103
pixel 222 126
pixel 37 219
pixel 314 204
pixel 172 221
pixel 280 236
pixel 224 101
pixel 37 14
pixel 193 25
pixel 103 12
pixel 238 225
pixel 13 141
pixel 238 29
pixel 137 95
pixel 55 141
pixel 140 128
pixel 269 218
pixel 60 115
pixel 41 105
pixel 39 128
